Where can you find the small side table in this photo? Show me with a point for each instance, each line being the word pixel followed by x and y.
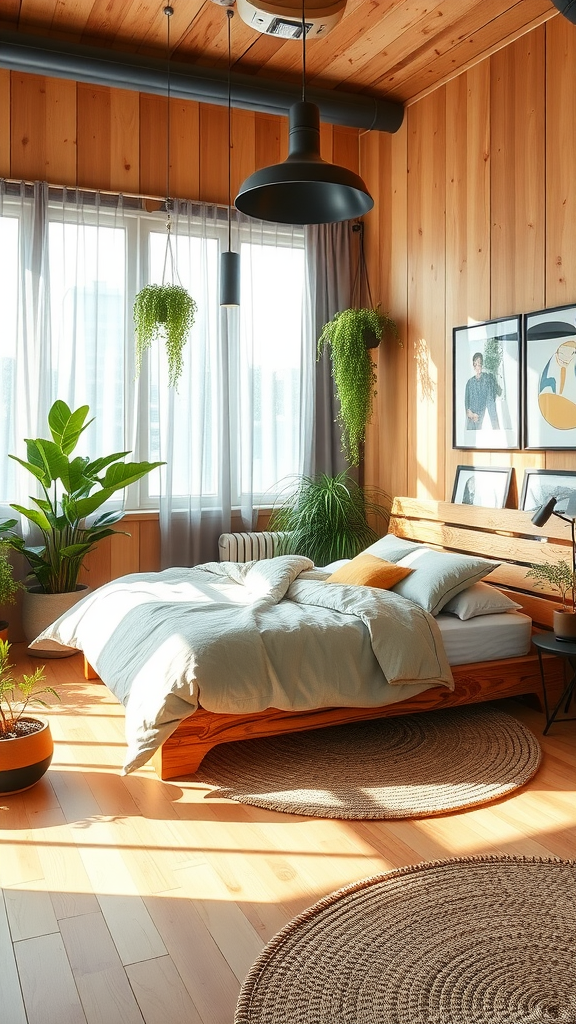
pixel 563 649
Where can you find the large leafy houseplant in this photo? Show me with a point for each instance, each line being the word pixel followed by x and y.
pixel 349 334
pixel 73 489
pixel 165 312
pixel 325 517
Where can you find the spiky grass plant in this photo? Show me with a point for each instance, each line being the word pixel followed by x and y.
pixel 165 312
pixel 325 517
pixel 16 696
pixel 353 370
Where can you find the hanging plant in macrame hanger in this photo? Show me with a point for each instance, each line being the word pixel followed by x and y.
pixel 350 335
pixel 165 312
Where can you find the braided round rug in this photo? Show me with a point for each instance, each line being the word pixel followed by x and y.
pixel 469 941
pixel 406 767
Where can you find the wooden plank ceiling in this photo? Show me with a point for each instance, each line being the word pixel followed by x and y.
pixel 392 48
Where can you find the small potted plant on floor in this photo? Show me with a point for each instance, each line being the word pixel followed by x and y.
pixel 561 577
pixel 26 744
pixel 350 334
pixel 9 587
pixel 325 517
pixel 72 489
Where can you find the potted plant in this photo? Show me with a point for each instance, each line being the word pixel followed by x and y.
pixel 73 488
pixel 26 744
pixel 350 334
pixel 325 517
pixel 561 576
pixel 167 312
pixel 9 587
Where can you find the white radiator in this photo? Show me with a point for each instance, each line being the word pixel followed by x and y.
pixel 247 547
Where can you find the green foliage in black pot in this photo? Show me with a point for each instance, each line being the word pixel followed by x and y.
pixel 348 334
pixel 166 312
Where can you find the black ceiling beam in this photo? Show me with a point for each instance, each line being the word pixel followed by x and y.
pixel 44 56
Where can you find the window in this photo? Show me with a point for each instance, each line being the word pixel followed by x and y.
pixel 69 271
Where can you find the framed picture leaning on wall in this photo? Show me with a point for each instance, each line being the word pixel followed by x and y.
pixel 550 378
pixel 486 385
pixel 539 485
pixel 482 485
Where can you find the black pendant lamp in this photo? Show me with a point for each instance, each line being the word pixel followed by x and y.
pixel 304 189
pixel 567 8
pixel 229 261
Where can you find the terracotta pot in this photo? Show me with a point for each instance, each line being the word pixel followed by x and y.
pixel 25 759
pixel 40 610
pixel 564 625
pixel 3 629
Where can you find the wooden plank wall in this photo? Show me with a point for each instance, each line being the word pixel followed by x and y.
pixel 474 218
pixel 72 133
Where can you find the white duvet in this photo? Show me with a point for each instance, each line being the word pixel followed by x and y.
pixel 244 637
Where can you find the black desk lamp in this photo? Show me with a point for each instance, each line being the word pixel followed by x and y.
pixel 540 517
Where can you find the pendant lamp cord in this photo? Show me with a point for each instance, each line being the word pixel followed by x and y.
pixel 303 51
pixel 361 270
pixel 168 11
pixel 229 15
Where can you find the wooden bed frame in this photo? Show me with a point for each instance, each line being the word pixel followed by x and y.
pixel 506 535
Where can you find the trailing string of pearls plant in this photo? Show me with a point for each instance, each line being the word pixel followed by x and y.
pixel 165 311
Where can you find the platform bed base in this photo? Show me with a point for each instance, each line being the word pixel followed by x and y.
pixel 183 751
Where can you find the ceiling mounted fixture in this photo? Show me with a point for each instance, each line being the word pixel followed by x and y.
pixel 567 8
pixel 229 261
pixel 282 17
pixel 304 189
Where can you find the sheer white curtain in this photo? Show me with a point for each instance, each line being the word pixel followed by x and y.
pixel 241 419
pixel 63 299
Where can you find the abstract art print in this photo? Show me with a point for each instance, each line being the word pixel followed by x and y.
pixel 550 378
pixel 486 385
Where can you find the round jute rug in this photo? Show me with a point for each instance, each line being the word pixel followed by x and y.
pixel 406 767
pixel 470 941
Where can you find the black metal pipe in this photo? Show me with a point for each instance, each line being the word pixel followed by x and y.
pixel 41 56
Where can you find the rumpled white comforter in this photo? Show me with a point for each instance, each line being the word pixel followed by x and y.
pixel 242 637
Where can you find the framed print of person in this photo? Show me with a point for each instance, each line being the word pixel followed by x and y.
pixel 488 486
pixel 550 378
pixel 486 385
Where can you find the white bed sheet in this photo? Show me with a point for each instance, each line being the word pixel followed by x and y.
pixel 486 637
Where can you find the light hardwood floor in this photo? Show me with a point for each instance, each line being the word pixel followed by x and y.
pixel 128 899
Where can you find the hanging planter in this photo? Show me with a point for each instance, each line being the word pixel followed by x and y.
pixel 164 312
pixel 350 334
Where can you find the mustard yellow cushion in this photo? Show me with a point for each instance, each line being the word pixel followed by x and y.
pixel 370 571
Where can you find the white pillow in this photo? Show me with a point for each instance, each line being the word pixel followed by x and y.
pixel 392 548
pixel 480 599
pixel 440 575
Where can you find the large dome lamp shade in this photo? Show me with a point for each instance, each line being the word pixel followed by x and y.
pixel 304 189
pixel 567 8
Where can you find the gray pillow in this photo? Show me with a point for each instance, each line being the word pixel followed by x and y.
pixel 392 548
pixel 480 599
pixel 440 575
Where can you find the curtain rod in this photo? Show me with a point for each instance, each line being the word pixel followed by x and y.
pixel 108 192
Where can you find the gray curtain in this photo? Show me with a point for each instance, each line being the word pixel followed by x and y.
pixel 329 262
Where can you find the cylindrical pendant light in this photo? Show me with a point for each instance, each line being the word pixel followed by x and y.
pixel 229 261
pixel 304 189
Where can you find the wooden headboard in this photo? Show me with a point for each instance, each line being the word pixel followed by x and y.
pixel 506 535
